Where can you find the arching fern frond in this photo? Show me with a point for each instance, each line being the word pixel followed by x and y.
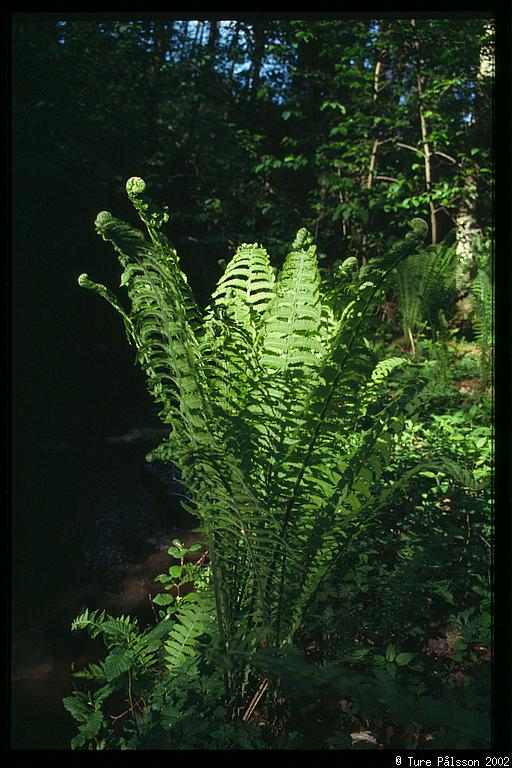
pixel 161 320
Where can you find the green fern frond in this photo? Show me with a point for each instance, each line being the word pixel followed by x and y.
pixel 85 282
pixel 162 316
pixel 482 297
pixel 91 622
pixel 77 706
pixel 128 242
pixel 482 302
pixel 92 672
pixel 119 628
pixel 289 332
pixel 118 661
pixel 194 618
pixel 244 290
pixel 460 474
pixel 230 366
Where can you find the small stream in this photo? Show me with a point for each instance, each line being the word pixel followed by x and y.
pixel 91 528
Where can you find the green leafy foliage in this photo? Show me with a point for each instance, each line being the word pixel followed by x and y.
pixel 413 602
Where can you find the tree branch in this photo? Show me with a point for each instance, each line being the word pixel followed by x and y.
pixel 448 157
pixel 408 146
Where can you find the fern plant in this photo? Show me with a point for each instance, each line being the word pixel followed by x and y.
pixel 130 656
pixel 277 424
pixel 140 663
pixel 482 301
pixel 424 282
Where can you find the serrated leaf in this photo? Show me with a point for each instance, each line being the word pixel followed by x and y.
pixel 118 661
pixel 163 598
pixel 76 705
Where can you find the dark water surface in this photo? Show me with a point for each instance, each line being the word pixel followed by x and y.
pixel 90 528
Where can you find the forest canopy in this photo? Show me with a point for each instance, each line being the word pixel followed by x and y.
pixel 252 127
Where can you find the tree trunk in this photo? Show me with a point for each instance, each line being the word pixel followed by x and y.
pixel 199 29
pixel 377 74
pixel 211 45
pixel 233 48
pixel 161 40
pixel 465 220
pixel 257 58
pixel 425 137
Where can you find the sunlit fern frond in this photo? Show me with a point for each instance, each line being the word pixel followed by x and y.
pixel 244 290
pixel 161 320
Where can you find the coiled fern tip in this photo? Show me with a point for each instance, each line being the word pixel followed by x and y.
pixel 135 186
pixel 102 219
pixel 419 226
pixel 303 239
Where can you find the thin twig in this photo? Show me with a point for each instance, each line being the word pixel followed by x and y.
pixel 131 704
pixel 201 560
pixel 150 597
pixel 118 717
pixel 425 138
pixel 255 701
pixel 126 712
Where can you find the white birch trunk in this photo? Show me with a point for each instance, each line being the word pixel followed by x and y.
pixel 465 221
